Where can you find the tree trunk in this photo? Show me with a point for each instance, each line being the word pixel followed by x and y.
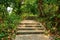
pixel 40 8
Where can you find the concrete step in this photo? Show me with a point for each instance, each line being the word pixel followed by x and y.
pixel 30 28
pixel 33 37
pixel 30 31
pixel 29 23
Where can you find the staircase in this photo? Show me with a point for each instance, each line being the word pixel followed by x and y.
pixel 31 30
pixel 30 27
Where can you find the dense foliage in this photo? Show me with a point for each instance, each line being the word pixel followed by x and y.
pixel 8 19
pixel 50 15
pixel 45 11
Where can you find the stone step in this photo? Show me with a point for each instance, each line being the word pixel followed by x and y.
pixel 30 28
pixel 30 31
pixel 33 37
pixel 29 23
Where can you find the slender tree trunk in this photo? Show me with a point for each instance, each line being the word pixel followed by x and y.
pixel 40 8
